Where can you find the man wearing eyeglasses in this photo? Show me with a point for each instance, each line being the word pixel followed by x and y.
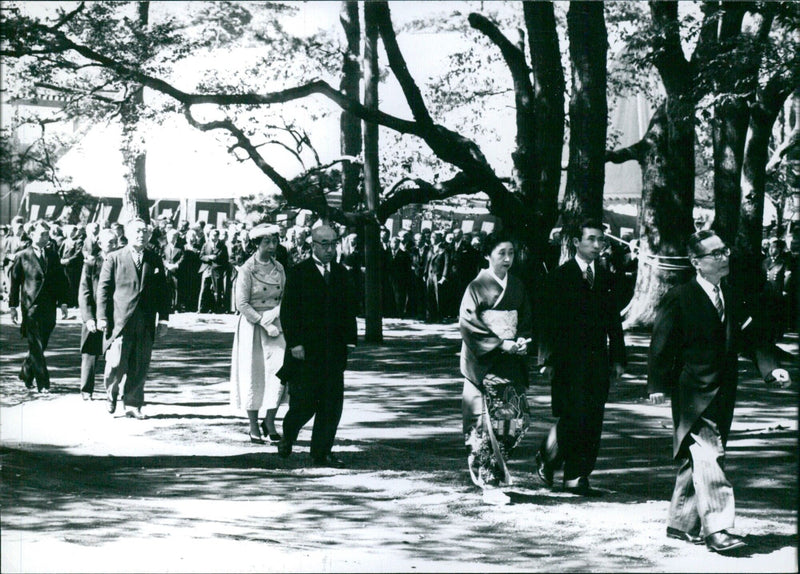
pixel 319 325
pixel 700 327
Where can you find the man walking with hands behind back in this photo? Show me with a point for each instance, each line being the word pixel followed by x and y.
pixel 582 347
pixel 319 325
pixel 699 329
pixel 131 291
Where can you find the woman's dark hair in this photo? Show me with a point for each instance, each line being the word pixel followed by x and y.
pixel 495 239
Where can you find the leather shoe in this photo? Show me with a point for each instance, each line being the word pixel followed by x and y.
pixel 284 448
pixel 135 414
pixel 581 487
pixel 544 470
pixel 112 405
pixel 86 396
pixel 685 536
pixel 723 542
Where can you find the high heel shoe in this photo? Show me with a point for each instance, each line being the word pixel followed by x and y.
pixel 256 439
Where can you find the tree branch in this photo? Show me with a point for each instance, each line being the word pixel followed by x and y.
pixel 632 152
pixel 424 192
pixel 398 63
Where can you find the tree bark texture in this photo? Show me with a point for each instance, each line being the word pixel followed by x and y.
pixel 372 248
pixel 588 113
pixel 134 202
pixel 350 124
pixel 665 224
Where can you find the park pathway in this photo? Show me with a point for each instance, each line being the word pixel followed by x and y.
pixel 185 491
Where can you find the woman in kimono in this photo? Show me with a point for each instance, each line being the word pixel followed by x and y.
pixel 258 344
pixel 495 323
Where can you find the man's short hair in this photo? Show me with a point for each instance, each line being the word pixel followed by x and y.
pixel 588 223
pixel 40 224
pixel 695 239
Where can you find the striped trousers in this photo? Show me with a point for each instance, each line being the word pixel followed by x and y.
pixel 702 501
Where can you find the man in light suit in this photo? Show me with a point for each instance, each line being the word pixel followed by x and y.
pixel 214 257
pixel 91 336
pixel 38 284
pixel 319 325
pixel 582 348
pixel 132 290
pixel 173 259
pixel 700 327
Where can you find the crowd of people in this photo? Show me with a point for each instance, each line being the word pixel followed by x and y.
pixel 297 293
pixel 423 274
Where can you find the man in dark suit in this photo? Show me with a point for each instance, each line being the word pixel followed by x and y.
pixel 319 324
pixel 582 347
pixel 214 258
pixel 419 257
pixel 400 275
pixel 436 271
pixel 38 285
pixel 463 268
pixel 700 327
pixel 132 290
pixel 91 336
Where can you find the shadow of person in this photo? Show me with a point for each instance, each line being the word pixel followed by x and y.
pixel 766 543
pixel 524 498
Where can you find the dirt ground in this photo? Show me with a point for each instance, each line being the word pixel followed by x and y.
pixel 185 490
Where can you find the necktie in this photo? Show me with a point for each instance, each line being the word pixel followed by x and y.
pixel 137 259
pixel 326 274
pixel 589 276
pixel 718 303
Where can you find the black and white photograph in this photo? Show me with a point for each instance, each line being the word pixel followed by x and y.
pixel 399 286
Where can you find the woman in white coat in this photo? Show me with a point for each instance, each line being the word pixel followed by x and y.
pixel 258 344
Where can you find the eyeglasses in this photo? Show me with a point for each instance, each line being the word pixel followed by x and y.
pixel 717 254
pixel 326 244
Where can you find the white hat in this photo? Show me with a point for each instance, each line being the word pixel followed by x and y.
pixel 264 229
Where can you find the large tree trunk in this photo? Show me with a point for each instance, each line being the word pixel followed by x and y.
pixel 763 114
pixel 729 127
pixel 134 201
pixel 588 113
pixel 372 247
pixel 539 100
pixel 665 222
pixel 666 156
pixel 350 124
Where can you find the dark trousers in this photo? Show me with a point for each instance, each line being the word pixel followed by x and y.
pixel 322 399
pixel 575 439
pixel 88 371
pixel 34 366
